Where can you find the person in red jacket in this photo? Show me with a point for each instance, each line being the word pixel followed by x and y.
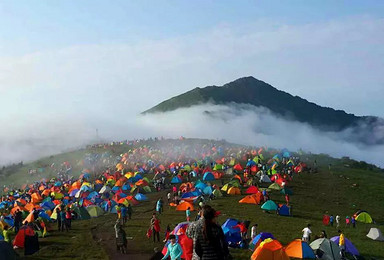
pixel 243 230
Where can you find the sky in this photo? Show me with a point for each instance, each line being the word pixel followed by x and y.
pixel 69 67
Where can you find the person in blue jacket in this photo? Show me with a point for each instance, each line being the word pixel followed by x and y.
pixel 173 249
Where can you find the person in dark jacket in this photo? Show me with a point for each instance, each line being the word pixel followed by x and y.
pixel 211 243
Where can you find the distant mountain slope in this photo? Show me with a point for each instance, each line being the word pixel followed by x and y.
pixel 249 90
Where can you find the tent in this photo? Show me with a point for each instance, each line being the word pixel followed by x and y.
pixel 328 249
pixel 252 190
pixel 184 206
pixel 176 180
pixel 185 242
pixel 238 167
pixel 349 247
pixel 259 238
pixel 364 217
pixel 269 249
pixel 284 210
pixel 7 252
pixel 208 190
pixel 105 189
pixel 140 197
pixel 265 178
pixel 94 211
pixel 274 186
pixel 250 199
pixel 269 206
pixel 225 187
pixel 299 249
pixel 233 191
pixel 217 193
pixel 375 234
pixel 208 176
pixel 20 236
pixel 232 235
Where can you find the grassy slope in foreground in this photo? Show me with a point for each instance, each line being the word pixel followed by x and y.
pixel 342 191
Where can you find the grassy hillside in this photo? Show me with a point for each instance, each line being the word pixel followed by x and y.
pixel 341 190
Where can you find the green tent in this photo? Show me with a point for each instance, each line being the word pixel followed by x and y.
pixel 364 217
pixel 329 248
pixel 83 213
pixel 147 189
pixel 217 193
pixel 235 183
pixel 269 205
pixel 94 211
pixel 218 167
pixel 274 186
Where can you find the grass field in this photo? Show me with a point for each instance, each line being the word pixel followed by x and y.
pixel 340 191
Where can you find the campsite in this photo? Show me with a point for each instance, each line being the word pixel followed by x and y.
pixel 311 198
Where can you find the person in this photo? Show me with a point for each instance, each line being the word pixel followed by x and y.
pixel 173 249
pixel 167 233
pixel 331 220
pixel 63 220
pixel 68 218
pixel 155 227
pixel 59 220
pixel 158 206
pixel 157 255
pixel 337 221
pixel 161 205
pixel 323 234
pixel 109 205
pixel 307 233
pixel 169 197
pixel 287 199
pixel 194 227
pixel 254 231
pixel 341 244
pixel 121 238
pixel 124 214
pixel 6 234
pixel 18 220
pixel 243 230
pixel 188 214
pixel 347 221
pixel 129 211
pixel 353 221
pixel 211 243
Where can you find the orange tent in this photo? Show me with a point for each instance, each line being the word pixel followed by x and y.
pixel 29 218
pixel 184 206
pixel 299 249
pixel 250 199
pixel 46 192
pixel 217 175
pixel 29 207
pixel 15 208
pixel 269 250
pixel 233 191
pixel 36 198
pixel 20 201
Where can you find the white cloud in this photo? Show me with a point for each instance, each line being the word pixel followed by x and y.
pixel 336 63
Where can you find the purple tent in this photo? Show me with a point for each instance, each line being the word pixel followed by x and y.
pixel 349 247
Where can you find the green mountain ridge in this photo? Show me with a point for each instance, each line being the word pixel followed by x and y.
pixel 249 90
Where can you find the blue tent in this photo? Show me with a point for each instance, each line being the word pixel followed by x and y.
pixel 232 235
pixel 48 204
pixel 176 180
pixel 44 215
pixel 284 210
pixel 116 188
pixel 73 192
pixel 250 163
pixel 140 197
pixel 126 187
pixel 188 195
pixel 208 176
pixel 200 186
pixel 93 194
pixel 85 188
pixel 208 190
pixel 9 220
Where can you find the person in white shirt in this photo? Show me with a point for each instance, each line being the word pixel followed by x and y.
pixel 337 221
pixel 307 233
pixel 254 231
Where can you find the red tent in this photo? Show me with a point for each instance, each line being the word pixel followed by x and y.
pixel 252 190
pixel 20 237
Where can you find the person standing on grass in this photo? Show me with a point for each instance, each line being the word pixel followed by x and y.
pixel 124 214
pixel 155 227
pixel 188 214
pixel 341 244
pixel 169 197
pixel 59 219
pixel 331 220
pixel 173 249
pixel 64 224
pixel 254 231
pixel 129 211
pixel 337 221
pixel 353 221
pixel 307 233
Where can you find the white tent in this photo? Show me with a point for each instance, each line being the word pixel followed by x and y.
pixel 375 234
pixel 265 178
pixel 105 189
